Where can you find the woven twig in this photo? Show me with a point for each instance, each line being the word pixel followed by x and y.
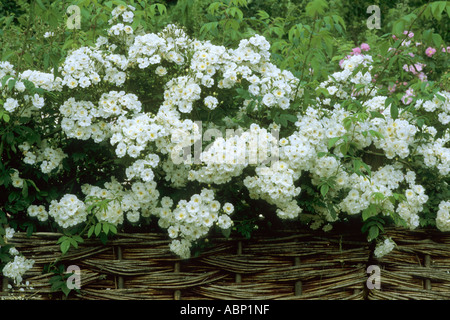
pixel 287 266
pixel 406 274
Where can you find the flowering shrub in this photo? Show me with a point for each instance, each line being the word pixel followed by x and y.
pixel 119 137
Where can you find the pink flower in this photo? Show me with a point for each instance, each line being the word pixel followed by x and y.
pixel 409 33
pixel 430 51
pixel 422 76
pixel 408 95
pixel 365 47
pixel 412 70
pixel 419 66
pixel 406 43
pixel 356 51
pixel 406 100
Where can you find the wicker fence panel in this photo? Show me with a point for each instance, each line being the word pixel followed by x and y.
pixel 140 266
pixel 285 266
pixel 418 269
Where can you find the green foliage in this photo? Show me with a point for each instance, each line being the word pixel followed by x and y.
pixel 69 241
pixel 59 279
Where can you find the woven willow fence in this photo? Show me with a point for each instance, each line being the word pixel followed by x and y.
pixel 289 265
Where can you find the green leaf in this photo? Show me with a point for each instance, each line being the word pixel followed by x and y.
pixel 25 189
pixel 288 117
pixel 324 189
pixel 90 231
pixel 373 232
pixel 103 238
pixel 65 289
pixel 369 171
pixel 106 228
pixel 440 97
pixel 39 2
pixel 98 229
pixel 78 239
pixel 315 8
pixel 394 111
pixel 344 148
pixel 437 39
pixel 33 184
pixel 369 212
pixel 57 285
pixel 65 245
pixel 420 122
pixel 357 166
pixel 437 8
pixel 73 242
pixel 426 35
pixel 347 123
pixel 376 114
pixel 61 239
pixel 12 83
pixel 333 141
pixel 112 229
pixel 332 211
pixel 226 232
pixel 376 134
pixel 398 27
pixel 263 15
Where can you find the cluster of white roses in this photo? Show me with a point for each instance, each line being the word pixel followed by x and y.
pixel 17 181
pixel 276 185
pixel 192 220
pixel 18 101
pixel 192 72
pixel 443 216
pixel 227 157
pixel 133 203
pixel 69 211
pixel 383 248
pixel 16 268
pixel 438 106
pixel 48 157
pixel 39 212
pixel 84 119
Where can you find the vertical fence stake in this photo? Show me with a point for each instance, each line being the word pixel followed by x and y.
pixel 120 281
pixel 427 282
pixel 239 252
pixel 4 282
pixel 177 293
pixel 298 284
